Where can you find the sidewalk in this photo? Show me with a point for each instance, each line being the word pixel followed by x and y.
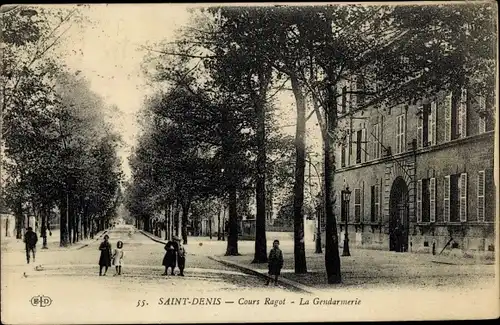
pixel 12 244
pixel 365 268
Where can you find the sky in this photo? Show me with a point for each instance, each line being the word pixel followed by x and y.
pixel 108 52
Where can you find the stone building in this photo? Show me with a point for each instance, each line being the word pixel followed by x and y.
pixel 421 175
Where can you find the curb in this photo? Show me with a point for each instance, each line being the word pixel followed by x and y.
pixel 96 239
pixel 153 238
pixel 245 269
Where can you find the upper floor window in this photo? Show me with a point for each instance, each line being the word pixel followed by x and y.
pixel 401 134
pixel 482 114
pixel 344 99
pixel 456 104
pixel 426 125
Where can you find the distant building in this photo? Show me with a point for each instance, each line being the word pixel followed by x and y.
pixel 420 175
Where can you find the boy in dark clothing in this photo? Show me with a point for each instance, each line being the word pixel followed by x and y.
pixel 275 261
pixel 30 239
pixel 181 257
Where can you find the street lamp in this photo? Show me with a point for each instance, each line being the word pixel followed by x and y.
pixel 346 196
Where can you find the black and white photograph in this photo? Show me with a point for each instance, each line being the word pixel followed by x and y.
pixel 249 162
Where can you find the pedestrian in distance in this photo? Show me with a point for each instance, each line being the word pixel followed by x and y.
pixel 105 259
pixel 275 262
pixel 169 260
pixel 118 258
pixel 181 257
pixel 30 240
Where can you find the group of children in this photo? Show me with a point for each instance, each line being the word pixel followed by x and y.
pixel 175 253
pixel 107 258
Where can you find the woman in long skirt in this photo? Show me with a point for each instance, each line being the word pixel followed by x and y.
pixel 105 259
pixel 169 260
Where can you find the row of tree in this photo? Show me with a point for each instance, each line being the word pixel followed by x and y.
pixel 222 72
pixel 59 149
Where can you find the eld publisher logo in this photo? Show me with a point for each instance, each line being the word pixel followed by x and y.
pixel 41 301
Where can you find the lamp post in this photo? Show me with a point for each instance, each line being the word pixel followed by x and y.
pixel 346 195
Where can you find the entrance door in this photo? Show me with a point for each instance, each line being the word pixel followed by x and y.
pixel 399 216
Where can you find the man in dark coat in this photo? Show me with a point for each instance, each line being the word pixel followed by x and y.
pixel 170 258
pixel 30 239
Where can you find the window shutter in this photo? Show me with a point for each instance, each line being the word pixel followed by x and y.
pixel 354 97
pixel 463 197
pixel 419 201
pixel 447 117
pixel 403 136
pixel 480 196
pixel 432 124
pixel 339 99
pixel 432 199
pixel 463 113
pixel 420 128
pixel 482 119
pixel 446 210
pixel 348 96
pixel 364 152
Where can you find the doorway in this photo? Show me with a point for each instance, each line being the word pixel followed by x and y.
pixel 399 222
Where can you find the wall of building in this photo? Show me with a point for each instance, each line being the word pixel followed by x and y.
pixel 469 154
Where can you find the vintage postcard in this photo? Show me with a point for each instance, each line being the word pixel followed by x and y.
pixel 230 163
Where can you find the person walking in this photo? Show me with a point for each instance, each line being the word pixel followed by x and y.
pixel 118 258
pixel 181 257
pixel 30 240
pixel 105 259
pixel 169 260
pixel 275 262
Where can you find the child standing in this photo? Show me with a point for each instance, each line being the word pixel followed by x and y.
pixel 105 258
pixel 181 258
pixel 118 257
pixel 275 262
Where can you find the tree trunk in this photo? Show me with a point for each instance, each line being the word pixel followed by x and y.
pixel 63 221
pixel 185 211
pixel 43 232
pixel 19 220
pixel 298 188
pixel 167 222
pixel 332 258
pixel 260 255
pixel 232 237
pixel 218 223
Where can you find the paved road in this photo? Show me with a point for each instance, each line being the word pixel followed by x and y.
pixel 71 279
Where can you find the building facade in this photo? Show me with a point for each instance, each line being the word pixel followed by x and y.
pixel 421 176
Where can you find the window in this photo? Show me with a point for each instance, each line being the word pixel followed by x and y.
pixel 423 126
pixel 456 115
pixel 423 200
pixel 455 198
pixel 344 99
pixel 480 196
pixel 359 139
pixel 482 116
pixel 361 89
pixel 376 139
pixel 400 135
pixel 375 203
pixel 357 205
